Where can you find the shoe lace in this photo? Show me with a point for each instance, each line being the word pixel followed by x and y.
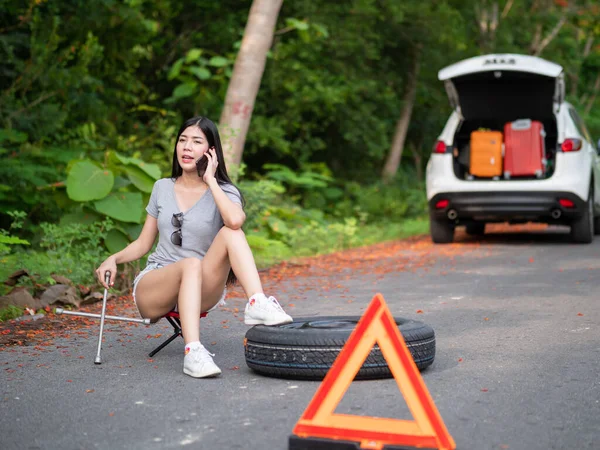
pixel 274 303
pixel 201 355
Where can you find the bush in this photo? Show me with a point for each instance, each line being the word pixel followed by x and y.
pixel 73 251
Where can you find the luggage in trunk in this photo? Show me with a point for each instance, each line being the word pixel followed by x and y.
pixel 524 152
pixel 486 154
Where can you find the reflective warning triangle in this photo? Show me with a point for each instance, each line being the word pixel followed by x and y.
pixel 377 326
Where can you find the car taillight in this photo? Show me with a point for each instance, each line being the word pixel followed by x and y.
pixel 440 147
pixel 571 145
pixel 566 203
pixel 442 204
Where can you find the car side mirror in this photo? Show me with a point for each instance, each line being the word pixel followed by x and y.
pixel 598 147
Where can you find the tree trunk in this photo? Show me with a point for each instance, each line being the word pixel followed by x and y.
pixel 393 160
pixel 537 51
pixel 245 80
pixel 415 149
pixel 507 8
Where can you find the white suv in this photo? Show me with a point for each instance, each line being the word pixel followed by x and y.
pixel 486 92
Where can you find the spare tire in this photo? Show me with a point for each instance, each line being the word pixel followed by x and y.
pixel 306 348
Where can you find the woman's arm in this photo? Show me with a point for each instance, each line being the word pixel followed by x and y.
pixel 132 252
pixel 141 245
pixel 233 215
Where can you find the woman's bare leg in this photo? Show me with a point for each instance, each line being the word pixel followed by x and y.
pixel 229 249
pixel 178 284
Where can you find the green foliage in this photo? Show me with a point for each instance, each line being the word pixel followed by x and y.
pixel 260 196
pixel 87 181
pixel 8 242
pixel 73 250
pixel 10 312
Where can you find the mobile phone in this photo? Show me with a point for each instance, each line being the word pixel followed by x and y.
pixel 201 165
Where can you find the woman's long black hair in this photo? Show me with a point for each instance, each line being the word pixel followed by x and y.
pixel 212 136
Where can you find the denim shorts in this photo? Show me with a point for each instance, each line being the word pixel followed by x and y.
pixel 153 266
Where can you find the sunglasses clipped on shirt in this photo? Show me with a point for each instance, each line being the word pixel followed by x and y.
pixel 177 222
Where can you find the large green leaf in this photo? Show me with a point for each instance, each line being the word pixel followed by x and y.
pixel 218 61
pixel 87 181
pixel 140 179
pixel 185 90
pixel 175 69
pixel 193 54
pixel 133 230
pixel 123 206
pixel 121 182
pixel 151 169
pixel 201 72
pixel 115 241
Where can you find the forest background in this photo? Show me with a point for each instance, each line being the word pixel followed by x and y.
pixel 92 93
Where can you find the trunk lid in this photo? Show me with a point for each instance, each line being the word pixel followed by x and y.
pixel 505 87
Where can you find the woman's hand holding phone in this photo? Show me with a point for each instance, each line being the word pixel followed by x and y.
pixel 201 165
pixel 211 165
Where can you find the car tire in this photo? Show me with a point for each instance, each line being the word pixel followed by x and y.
pixel 582 228
pixel 306 348
pixel 442 231
pixel 596 225
pixel 475 228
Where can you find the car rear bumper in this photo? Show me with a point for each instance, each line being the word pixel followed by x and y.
pixel 506 206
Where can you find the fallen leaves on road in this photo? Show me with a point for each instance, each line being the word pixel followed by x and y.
pixel 308 279
pixel 579 314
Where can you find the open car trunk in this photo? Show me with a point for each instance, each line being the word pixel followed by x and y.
pixel 461 144
pixel 492 90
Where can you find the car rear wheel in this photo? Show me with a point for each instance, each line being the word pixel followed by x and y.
pixel 597 225
pixel 582 228
pixel 476 228
pixel 442 231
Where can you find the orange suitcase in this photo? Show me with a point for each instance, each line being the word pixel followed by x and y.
pixel 486 154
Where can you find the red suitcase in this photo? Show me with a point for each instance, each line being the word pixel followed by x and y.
pixel 524 152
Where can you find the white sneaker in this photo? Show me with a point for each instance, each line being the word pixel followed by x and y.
pixel 261 310
pixel 198 363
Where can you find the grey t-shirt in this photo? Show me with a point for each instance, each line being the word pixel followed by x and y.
pixel 200 223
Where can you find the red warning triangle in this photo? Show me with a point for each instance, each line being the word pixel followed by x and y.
pixel 377 325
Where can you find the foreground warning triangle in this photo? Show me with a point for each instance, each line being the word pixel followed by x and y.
pixel 377 325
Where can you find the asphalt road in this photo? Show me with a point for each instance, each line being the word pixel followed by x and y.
pixel 517 365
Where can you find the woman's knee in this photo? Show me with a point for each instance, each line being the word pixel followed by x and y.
pixel 192 266
pixel 231 234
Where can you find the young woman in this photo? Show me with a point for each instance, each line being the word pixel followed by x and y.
pixel 197 214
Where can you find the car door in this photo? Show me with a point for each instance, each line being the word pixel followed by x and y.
pixel 590 147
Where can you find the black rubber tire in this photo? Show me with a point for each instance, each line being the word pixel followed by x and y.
pixel 596 226
pixel 475 228
pixel 582 228
pixel 306 348
pixel 442 231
